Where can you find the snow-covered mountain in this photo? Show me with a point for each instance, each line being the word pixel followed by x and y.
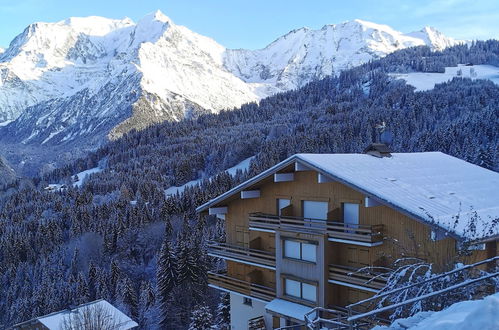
pixel 85 78
pixel 303 55
pixel 7 174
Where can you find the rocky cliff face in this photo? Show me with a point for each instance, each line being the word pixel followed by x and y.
pixel 83 79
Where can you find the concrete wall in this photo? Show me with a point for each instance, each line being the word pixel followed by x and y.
pixel 241 313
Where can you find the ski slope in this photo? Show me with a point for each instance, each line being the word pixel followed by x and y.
pixel 424 81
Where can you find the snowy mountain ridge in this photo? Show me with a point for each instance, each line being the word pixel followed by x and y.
pixel 85 78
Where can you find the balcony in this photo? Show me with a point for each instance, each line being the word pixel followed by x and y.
pixel 231 284
pixel 366 235
pixel 352 277
pixel 254 257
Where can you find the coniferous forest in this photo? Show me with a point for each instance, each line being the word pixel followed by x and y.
pixel 118 237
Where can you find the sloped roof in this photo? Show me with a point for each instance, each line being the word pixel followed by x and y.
pixel 430 186
pixel 55 321
pixel 288 308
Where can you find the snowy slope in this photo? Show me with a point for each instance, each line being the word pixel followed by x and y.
pixel 427 80
pixel 243 165
pixel 83 76
pixel 303 55
pixel 7 174
pixel 478 314
pixel 81 79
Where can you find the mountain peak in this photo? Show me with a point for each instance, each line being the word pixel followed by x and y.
pixel 95 25
pixel 156 16
pixel 371 25
pixel 434 38
pixel 165 71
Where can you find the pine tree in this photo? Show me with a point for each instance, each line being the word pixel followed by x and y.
pixel 201 319
pixel 115 275
pixel 223 311
pixel 146 305
pixel 186 264
pixel 166 279
pixel 129 297
pixel 82 290
pixel 92 280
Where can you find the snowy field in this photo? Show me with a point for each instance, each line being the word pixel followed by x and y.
pixel 83 175
pixel 466 315
pixel 424 81
pixel 244 165
pixel 80 178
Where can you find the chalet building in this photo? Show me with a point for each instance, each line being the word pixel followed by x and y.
pixel 297 232
pixel 97 314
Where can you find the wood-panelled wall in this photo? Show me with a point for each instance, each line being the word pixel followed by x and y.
pixel 404 236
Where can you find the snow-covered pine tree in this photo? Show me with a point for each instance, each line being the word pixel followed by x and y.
pixel 130 297
pixel 201 319
pixel 166 280
pixel 223 312
pixel 186 264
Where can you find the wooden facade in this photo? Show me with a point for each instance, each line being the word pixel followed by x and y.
pixel 400 237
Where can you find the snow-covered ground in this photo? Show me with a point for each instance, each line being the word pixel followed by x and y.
pixel 80 179
pixel 83 175
pixel 427 80
pixel 174 190
pixel 243 165
pixel 466 315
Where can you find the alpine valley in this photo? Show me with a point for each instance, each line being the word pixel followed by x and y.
pixel 69 86
pixel 114 134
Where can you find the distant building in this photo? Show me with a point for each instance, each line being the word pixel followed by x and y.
pixel 297 233
pixel 98 314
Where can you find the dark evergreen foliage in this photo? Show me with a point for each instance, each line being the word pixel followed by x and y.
pixel 104 240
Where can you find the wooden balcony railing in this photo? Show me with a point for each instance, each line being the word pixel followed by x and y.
pixel 237 253
pixel 335 230
pixel 257 323
pixel 352 275
pixel 254 290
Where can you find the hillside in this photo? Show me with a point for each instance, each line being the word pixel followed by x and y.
pixel 7 174
pixel 105 238
pixel 71 85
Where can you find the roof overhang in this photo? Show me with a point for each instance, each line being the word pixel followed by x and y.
pixel 304 163
pixel 288 309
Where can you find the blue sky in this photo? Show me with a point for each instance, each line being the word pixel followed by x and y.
pixel 255 23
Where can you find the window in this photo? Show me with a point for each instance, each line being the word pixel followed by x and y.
pixel 351 214
pixel 281 204
pixel 314 212
pixel 300 250
pixel 247 301
pixel 293 288
pixel 309 292
pixel 300 290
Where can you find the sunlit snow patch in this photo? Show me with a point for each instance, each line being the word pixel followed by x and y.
pixel 80 177
pixel 424 81
pixel 243 165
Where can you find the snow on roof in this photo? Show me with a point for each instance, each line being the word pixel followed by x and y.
pixel 55 320
pixel 288 308
pixel 428 186
pixel 432 186
pixel 477 314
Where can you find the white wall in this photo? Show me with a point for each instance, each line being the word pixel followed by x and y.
pixel 241 313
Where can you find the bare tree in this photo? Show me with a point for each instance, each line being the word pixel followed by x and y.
pixel 92 317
